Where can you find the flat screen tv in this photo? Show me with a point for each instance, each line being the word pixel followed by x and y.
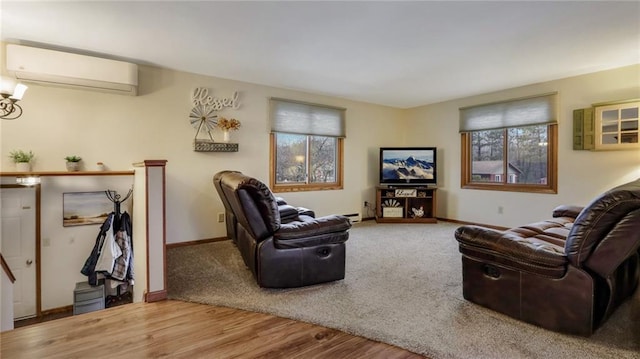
pixel 404 166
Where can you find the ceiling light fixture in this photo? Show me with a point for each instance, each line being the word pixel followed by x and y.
pixel 10 93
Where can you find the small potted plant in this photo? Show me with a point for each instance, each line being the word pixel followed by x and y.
pixel 73 163
pixel 227 125
pixel 22 159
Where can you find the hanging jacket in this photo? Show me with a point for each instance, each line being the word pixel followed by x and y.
pixel 127 226
pixel 122 262
pixel 109 252
pixel 89 267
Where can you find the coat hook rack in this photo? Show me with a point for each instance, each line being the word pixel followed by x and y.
pixel 115 197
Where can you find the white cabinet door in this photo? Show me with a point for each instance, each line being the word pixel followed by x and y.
pixel 616 126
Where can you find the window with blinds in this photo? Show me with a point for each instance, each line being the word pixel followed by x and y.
pixel 511 145
pixel 306 146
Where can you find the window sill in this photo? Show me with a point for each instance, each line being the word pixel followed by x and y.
pixel 510 188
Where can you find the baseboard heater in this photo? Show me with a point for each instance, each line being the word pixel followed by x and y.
pixel 354 217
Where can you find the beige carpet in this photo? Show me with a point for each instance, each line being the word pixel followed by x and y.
pixel 402 287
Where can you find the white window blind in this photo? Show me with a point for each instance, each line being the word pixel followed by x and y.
pixel 537 110
pixel 306 119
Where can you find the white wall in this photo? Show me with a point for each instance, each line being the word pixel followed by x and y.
pixel 581 174
pixel 120 130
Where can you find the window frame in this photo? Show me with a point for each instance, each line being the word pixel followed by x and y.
pixel 306 119
pixel 552 167
pixel 301 187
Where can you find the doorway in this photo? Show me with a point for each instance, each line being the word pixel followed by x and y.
pixel 20 245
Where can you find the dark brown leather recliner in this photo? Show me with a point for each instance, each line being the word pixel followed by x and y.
pixel 566 274
pixel 287 212
pixel 283 247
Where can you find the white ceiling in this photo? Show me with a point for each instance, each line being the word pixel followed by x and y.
pixel 401 54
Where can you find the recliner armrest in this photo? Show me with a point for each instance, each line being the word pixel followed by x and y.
pixel 290 213
pixel 309 226
pixel 287 212
pixel 306 212
pixel 567 211
pixel 309 231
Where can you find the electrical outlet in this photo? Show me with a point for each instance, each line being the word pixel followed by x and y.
pixel 500 210
pixel 220 217
pixel 366 204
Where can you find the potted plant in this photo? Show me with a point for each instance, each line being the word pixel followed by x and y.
pixel 227 125
pixel 73 163
pixel 22 160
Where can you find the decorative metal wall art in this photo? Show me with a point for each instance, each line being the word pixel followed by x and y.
pixel 203 117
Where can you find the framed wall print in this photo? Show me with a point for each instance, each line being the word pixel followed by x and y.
pixel 85 208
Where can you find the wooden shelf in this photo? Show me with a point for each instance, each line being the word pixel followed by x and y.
pixel 401 203
pixel 211 146
pixel 67 173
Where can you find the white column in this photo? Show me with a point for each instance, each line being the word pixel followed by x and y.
pixel 150 231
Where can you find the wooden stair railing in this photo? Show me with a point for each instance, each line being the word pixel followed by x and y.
pixel 7 270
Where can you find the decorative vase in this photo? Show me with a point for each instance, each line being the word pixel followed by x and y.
pixel 226 136
pixel 23 166
pixel 73 166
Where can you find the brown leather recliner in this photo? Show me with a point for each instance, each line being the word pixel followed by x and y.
pixel 283 247
pixel 287 212
pixel 566 274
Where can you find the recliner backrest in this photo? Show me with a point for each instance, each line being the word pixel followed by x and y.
pixel 230 217
pixel 253 204
pixel 609 228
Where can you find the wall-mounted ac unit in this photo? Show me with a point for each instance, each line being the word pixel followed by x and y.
pixel 49 67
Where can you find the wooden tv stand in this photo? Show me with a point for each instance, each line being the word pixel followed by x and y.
pixel 405 204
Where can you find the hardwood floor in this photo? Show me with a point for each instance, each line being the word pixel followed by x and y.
pixel 186 330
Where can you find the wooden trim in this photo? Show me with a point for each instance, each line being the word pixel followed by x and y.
pixel 196 242
pixel 272 159
pixel 38 245
pixel 146 230
pixel 155 163
pixel 156 296
pixel 164 226
pixel 303 187
pixel 38 188
pixel 7 270
pixel 67 173
pixel 552 164
pixel 162 294
pixel 65 309
pixel 551 187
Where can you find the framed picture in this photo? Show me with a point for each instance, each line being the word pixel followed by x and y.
pixel 85 208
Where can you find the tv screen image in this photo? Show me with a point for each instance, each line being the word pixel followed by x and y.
pixel 408 165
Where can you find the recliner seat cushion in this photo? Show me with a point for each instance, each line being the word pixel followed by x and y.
pixel 536 243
